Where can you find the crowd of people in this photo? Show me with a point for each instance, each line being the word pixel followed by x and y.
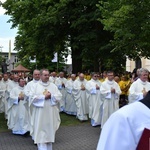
pixel 33 105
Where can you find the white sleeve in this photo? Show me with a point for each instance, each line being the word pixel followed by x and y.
pixel 117 134
pixel 39 101
pixel 133 95
pixel 93 90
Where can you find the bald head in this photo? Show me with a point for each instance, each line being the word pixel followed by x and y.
pixel 15 78
pixel 81 76
pixel 73 77
pixel 61 74
pixel 54 74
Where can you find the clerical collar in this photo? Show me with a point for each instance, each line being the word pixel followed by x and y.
pixel 142 81
pixel 94 80
pixel 16 82
pixel 35 81
pixel 146 100
pixel 5 80
pixel 110 82
pixel 44 83
pixel 20 87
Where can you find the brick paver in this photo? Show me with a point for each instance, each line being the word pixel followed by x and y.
pixel 79 137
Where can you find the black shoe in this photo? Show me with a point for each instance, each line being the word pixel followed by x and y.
pixel 26 134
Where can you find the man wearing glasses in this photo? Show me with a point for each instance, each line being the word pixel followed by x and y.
pixel 93 97
pixel 110 92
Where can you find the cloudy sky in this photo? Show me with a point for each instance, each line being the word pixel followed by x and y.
pixel 6 33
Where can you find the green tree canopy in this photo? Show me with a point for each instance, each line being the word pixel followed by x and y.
pixel 48 26
pixel 129 21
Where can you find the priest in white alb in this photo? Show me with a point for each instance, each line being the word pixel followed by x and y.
pixel 70 105
pixel 128 128
pixel 2 96
pixel 53 77
pixel 110 92
pixel 60 82
pixel 140 87
pixel 30 84
pixel 4 86
pixel 28 88
pixel 18 120
pixel 79 93
pixel 93 96
pixel 11 84
pixel 44 100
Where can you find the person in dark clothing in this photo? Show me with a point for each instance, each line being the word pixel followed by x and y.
pixel 4 67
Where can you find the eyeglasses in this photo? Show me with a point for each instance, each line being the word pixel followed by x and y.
pixel 95 76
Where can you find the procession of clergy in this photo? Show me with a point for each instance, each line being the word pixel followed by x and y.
pixel 34 106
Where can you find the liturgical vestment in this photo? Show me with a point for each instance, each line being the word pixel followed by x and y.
pixel 124 128
pixel 45 113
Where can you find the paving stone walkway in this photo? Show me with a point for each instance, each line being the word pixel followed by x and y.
pixel 79 137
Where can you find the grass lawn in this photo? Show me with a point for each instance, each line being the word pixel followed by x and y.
pixel 3 123
pixel 66 120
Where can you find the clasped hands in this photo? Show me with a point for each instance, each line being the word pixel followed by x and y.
pixel 21 98
pixel 113 90
pixel 47 95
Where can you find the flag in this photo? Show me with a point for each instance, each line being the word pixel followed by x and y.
pixel 55 58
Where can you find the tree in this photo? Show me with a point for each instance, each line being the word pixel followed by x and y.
pixel 88 40
pixel 47 27
pixel 129 21
pixel 38 30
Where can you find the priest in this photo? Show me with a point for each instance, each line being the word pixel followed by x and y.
pixel 18 120
pixel 44 100
pixel 79 93
pixel 4 86
pixel 60 82
pixel 93 96
pixel 28 89
pixel 70 105
pixel 127 127
pixel 140 87
pixel 110 92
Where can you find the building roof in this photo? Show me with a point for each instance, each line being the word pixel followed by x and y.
pixel 20 68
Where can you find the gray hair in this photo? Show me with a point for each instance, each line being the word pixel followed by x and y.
pixel 36 70
pixel 41 71
pixel 73 75
pixel 93 73
pixel 141 70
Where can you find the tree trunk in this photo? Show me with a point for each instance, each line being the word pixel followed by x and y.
pixel 76 61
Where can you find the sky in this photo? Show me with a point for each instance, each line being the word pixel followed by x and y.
pixel 7 34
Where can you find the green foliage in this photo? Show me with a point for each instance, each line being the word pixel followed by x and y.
pixel 129 21
pixel 46 27
pixel 38 28
pixel 3 123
